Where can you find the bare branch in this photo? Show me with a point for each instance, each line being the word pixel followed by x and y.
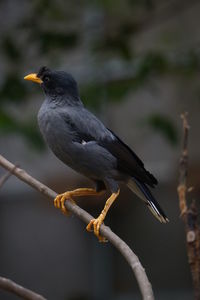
pixel 6 176
pixel 124 249
pixel 189 214
pixel 11 286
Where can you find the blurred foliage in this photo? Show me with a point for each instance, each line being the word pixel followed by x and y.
pixel 165 126
pixel 57 40
pixel 13 89
pixel 49 30
pixel 28 129
pixel 9 48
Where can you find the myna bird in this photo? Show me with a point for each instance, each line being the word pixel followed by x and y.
pixel 81 141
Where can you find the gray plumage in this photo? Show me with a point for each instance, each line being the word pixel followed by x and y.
pixel 82 142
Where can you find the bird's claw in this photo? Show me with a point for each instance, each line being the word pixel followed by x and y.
pixel 59 202
pixel 96 223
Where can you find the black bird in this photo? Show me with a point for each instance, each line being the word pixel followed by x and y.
pixel 82 142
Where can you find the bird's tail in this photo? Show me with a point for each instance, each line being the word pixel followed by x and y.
pixel 142 191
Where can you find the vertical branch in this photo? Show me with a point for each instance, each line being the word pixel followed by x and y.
pixel 183 170
pixel 189 214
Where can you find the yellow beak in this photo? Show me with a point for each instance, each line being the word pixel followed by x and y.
pixel 33 77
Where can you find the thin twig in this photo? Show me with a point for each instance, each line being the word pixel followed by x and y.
pixel 6 176
pixel 124 249
pixel 189 214
pixel 11 286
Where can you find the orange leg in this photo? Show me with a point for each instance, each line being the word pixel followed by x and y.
pixel 59 201
pixel 96 223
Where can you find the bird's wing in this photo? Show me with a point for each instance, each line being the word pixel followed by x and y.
pixel 86 127
pixel 128 161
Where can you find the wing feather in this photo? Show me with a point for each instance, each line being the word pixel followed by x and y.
pixel 85 126
pixel 128 161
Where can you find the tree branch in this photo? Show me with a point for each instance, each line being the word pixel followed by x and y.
pixel 189 214
pixel 131 258
pixel 6 176
pixel 11 286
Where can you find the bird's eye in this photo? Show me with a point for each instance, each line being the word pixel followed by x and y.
pixel 46 79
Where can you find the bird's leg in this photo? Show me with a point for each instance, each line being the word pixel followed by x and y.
pixel 59 201
pixel 96 223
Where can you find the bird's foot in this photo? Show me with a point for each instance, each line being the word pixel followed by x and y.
pixel 96 223
pixel 59 201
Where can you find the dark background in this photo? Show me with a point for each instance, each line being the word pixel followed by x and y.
pixel 137 65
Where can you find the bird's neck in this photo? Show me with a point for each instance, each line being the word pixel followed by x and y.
pixel 64 100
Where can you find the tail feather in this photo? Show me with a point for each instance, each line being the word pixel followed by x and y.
pixel 143 192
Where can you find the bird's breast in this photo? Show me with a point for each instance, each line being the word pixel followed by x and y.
pixel 56 133
pixel 86 157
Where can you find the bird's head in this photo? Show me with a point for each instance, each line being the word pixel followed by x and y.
pixel 55 83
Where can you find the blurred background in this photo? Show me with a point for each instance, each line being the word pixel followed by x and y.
pixel 137 65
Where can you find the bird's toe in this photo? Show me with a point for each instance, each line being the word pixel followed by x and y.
pixel 59 202
pixel 96 223
pixel 90 225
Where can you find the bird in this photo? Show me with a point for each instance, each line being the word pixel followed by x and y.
pixel 81 141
